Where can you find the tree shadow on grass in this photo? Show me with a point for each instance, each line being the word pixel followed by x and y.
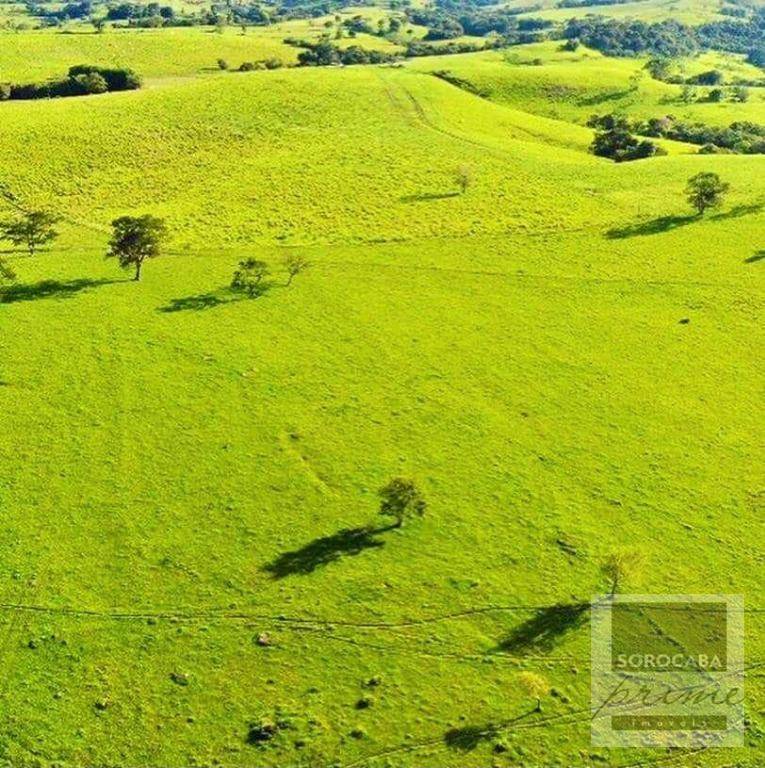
pixel 466 739
pixel 219 298
pixel 545 629
pixel 737 211
pixel 197 303
pixel 49 289
pixel 652 227
pixel 325 550
pixel 755 257
pixel 669 223
pixel 428 196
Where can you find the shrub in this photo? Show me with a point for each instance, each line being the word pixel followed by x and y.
pixel 249 278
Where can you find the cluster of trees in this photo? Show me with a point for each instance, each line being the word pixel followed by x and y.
pixel 591 3
pixel 668 38
pixel 325 53
pixel 420 48
pixel 663 68
pixel 81 80
pixel 66 12
pixel 756 56
pixel 632 38
pixel 251 66
pixel 448 23
pixel 741 137
pixel 148 15
pixel 739 36
pixel 134 239
pixel 251 276
pixel 614 139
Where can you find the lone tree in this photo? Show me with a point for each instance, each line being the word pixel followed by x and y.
pixel 621 566
pixel 248 278
pixel 706 190
pixel 536 686
pixel 135 239
pixel 7 275
pixel 464 178
pixel 33 230
pixel 401 499
pixel 295 264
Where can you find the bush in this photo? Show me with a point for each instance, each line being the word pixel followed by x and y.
pixel 90 83
pixel 621 146
pixel 81 80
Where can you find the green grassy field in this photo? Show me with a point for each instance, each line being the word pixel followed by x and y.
pixel 183 469
pixel 687 11
pixel 573 86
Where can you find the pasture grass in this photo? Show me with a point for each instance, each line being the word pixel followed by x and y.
pixel 564 358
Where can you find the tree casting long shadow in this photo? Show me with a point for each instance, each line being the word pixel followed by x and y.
pixel 49 289
pixel 652 227
pixel 197 303
pixel 467 738
pixel 219 298
pixel 669 223
pixel 544 630
pixel 325 550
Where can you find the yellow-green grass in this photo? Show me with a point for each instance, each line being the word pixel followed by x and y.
pixel 573 86
pixel 517 348
pixel 152 53
pixel 687 11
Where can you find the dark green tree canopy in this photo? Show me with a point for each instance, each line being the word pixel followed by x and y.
pixel 706 190
pixel 135 239
pixel 401 499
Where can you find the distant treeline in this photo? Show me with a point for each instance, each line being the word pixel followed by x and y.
pixel 742 137
pixel 670 38
pixel 445 24
pixel 325 54
pixel 591 3
pixel 81 80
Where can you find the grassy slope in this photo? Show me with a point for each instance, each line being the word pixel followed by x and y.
pixel 573 86
pixel 687 11
pixel 526 366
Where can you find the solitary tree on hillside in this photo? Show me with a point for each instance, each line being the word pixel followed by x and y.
pixel 135 239
pixel 32 230
pixel 249 277
pixel 621 566
pixel 464 178
pixel 706 190
pixel 401 499
pixel 536 686
pixel 7 275
pixel 295 264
